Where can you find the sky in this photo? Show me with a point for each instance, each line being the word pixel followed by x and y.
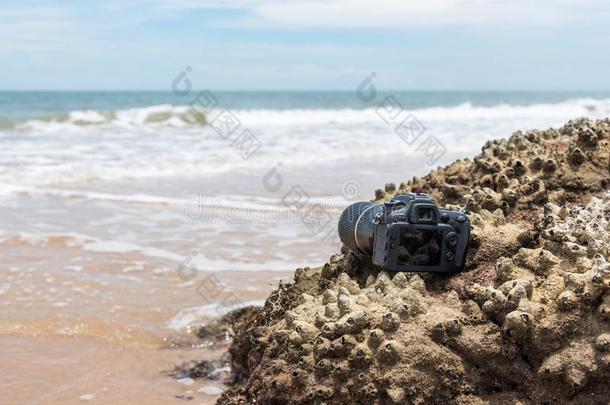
pixel 305 44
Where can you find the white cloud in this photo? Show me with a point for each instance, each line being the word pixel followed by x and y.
pixel 31 29
pixel 210 4
pixel 397 14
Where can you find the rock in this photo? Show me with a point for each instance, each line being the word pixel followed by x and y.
pixel 528 321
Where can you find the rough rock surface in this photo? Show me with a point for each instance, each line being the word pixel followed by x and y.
pixel 528 321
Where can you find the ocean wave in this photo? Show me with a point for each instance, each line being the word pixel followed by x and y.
pixel 157 116
pixel 120 247
pixel 87 147
pixel 6 123
pixel 170 116
pixel 462 112
pixel 231 203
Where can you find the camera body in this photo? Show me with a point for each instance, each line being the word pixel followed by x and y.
pixel 408 233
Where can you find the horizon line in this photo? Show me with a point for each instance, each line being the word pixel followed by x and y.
pixel 306 90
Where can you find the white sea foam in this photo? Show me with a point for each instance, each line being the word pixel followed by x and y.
pixel 166 115
pixel 185 381
pixel 200 262
pixel 111 247
pixel 205 264
pixel 188 316
pixel 87 397
pixel 211 390
pixel 199 208
pixel 163 141
pixel 68 239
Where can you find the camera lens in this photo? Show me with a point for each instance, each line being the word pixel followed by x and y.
pixel 356 226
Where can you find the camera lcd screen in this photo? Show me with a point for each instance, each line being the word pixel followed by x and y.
pixel 420 247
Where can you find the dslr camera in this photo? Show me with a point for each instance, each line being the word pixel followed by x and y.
pixel 408 233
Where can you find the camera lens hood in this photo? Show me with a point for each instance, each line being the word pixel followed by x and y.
pixel 356 226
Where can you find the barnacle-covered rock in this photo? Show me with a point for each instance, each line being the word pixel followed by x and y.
pixel 527 321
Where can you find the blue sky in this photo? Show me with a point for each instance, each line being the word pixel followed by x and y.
pixel 306 44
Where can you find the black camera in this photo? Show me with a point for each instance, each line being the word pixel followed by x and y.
pixel 408 233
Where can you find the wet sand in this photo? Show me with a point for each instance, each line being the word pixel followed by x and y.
pixel 78 324
pixel 89 369
pixel 103 285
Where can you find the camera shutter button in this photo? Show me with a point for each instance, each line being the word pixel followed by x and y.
pixel 452 239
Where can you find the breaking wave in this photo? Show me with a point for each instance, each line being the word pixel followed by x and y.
pixel 157 116
pixel 85 146
pixel 169 116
